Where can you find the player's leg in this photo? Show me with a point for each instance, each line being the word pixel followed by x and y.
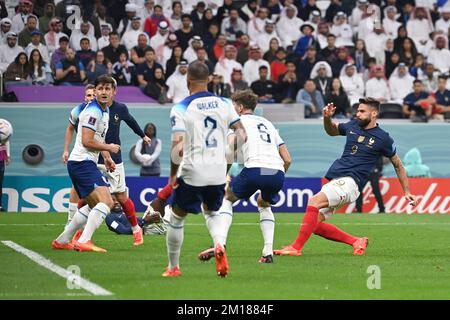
pixel 78 222
pixel 118 223
pixel 331 232
pixel 73 204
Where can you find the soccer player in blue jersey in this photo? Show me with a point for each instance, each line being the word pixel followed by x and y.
pixel 366 142
pixel 71 128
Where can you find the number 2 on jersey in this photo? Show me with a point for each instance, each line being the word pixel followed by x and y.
pixel 265 136
pixel 210 124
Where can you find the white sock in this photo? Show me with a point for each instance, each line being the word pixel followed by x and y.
pixel 167 213
pixel 96 217
pixel 78 221
pixel 136 228
pixel 217 226
pixel 73 207
pixel 267 225
pixel 226 216
pixel 174 239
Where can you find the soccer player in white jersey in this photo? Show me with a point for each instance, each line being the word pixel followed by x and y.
pixel 71 128
pixel 266 160
pixel 87 179
pixel 200 124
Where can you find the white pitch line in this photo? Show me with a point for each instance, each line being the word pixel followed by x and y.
pixel 91 287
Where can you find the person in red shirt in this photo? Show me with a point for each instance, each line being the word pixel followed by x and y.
pixel 278 66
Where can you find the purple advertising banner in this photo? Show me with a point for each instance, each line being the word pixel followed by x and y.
pixel 293 197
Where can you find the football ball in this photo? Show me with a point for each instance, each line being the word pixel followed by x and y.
pixel 6 130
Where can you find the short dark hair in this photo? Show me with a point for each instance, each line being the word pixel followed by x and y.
pixel 105 79
pixel 263 67
pixel 417 81
pixel 114 33
pixel 149 49
pixel 89 87
pixel 330 35
pixel 246 98
pixel 371 102
pixel 442 77
pixel 83 39
pixel 198 71
pixel 185 15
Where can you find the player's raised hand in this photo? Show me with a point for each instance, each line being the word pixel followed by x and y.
pixel 328 110
pixel 65 157
pixel 114 148
pixel 147 140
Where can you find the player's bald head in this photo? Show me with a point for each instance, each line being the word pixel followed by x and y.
pixel 198 71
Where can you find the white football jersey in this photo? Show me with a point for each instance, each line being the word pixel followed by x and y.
pixel 205 118
pixel 263 140
pixel 94 118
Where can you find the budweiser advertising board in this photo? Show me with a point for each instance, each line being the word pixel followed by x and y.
pixel 433 195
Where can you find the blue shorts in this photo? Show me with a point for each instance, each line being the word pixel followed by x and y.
pixel 189 198
pixel 250 180
pixel 85 177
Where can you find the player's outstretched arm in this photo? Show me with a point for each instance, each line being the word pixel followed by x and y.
pixel 67 140
pixel 284 153
pixel 330 127
pixel 402 177
pixel 89 142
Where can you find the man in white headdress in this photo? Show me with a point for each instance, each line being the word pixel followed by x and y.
pixel 227 63
pixel 161 35
pixel 190 54
pixel 371 18
pixel 390 22
pixel 376 41
pixel 177 83
pixel 377 87
pixel 357 13
pixel 419 27
pixel 125 23
pixel 352 83
pixel 342 30
pixel 439 55
pixel 251 67
pixel 130 37
pixel 443 24
pixel 288 27
pixel 9 51
pixel 263 41
pixel 5 27
pixel 400 83
pixel 255 26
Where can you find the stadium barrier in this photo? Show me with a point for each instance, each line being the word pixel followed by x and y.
pixel 51 194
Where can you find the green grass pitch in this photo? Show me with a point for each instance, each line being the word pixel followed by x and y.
pixel 411 252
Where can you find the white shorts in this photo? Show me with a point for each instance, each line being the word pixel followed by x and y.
pixel 116 179
pixel 339 192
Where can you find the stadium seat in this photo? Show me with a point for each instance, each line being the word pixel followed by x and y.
pixel 391 111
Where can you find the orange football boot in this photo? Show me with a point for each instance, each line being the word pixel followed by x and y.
pixel 62 246
pixel 222 267
pixel 87 247
pixel 360 246
pixel 175 272
pixel 288 251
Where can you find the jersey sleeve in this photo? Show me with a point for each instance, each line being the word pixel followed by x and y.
pixel 91 119
pixel 177 119
pixel 74 114
pixel 278 140
pixel 389 148
pixel 343 128
pixel 233 117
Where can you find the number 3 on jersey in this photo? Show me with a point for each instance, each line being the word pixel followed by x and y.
pixel 265 136
pixel 210 124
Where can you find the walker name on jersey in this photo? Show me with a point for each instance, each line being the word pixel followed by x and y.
pixel 207 105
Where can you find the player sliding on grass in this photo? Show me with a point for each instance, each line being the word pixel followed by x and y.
pixel 266 160
pixel 87 179
pixel 199 138
pixel 366 142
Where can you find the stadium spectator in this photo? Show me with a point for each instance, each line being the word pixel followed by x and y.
pixel 97 66
pixel 237 82
pixel 145 71
pixel 9 51
pixel 418 69
pixel 5 27
pixel 390 22
pixel 288 26
pixel 194 44
pixel 322 77
pixel 83 32
pixel 419 27
pixel 309 9
pixel 70 71
pixel 243 44
pixel 343 58
pixel 270 54
pixel 439 55
pixel 360 56
pixel 125 23
pixel 306 41
pixel 408 52
pixel 130 37
pixel 329 53
pixel 114 49
pixel 54 34
pixel 147 11
pixel 218 87
pixel 305 66
pixel 342 30
pixel 186 32
pixel 40 72
pixel 251 67
pixel 36 44
pixel 164 52
pixel 45 20
pixel 269 33
pixel 124 71
pixel 160 38
pixel 177 83
pixel 288 86
pixel 376 42
pixel 202 56
pixel 157 89
pixel 414 166
pixel 357 13
pixel 255 26
pixel 442 96
pixel 278 66
pixel 17 72
pixel 148 154
pixel 369 20
pixel 417 103
pixel 25 34
pixel 24 12
pixel 208 19
pixel 227 63
pixel 352 83
pixel 392 63
pixel 102 19
pixel 311 99
pixel 377 87
pixel 429 78
pixel 333 9
pixel 388 51
pixel 59 53
pixel 103 41
pixel 402 34
pixel 400 83
pixel 339 98
pixel 175 17
pixel 249 10
pixel 323 30
pixel 86 54
pixel 174 61
pixel 232 24
pixel 264 88
pixel 443 24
